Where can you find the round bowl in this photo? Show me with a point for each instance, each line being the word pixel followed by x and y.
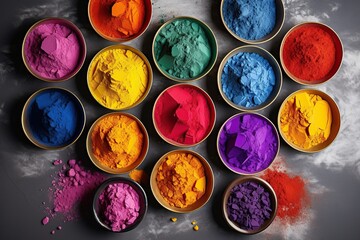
pixel 279 22
pixel 243 134
pixel 172 127
pixel 273 204
pixel 142 202
pixel 106 168
pixel 37 119
pixel 201 201
pixel 107 94
pixel 161 47
pixel 107 19
pixel 276 87
pixel 338 50
pixel 335 126
pixel 50 71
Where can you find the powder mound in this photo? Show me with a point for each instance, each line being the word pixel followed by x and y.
pixel 250 19
pixel 181 179
pixel 119 206
pixel 182 49
pixel 52 50
pixel 247 79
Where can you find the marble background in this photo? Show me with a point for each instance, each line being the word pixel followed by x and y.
pixel 333 176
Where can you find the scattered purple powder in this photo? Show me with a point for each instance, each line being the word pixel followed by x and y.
pixel 59 228
pixel 248 143
pixel 249 205
pixel 52 232
pixel 45 220
pixel 57 162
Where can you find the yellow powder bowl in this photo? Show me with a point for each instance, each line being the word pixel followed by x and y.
pixel 105 167
pixel 209 175
pixel 106 93
pixel 334 128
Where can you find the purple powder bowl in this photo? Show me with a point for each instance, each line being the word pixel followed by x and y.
pixel 120 204
pixel 54 49
pixel 249 205
pixel 248 143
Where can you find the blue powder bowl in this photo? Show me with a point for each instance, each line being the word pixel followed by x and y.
pixel 249 78
pixel 258 182
pixel 255 22
pixel 53 118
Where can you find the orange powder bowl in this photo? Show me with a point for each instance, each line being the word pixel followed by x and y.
pixel 209 175
pixel 120 21
pixel 105 152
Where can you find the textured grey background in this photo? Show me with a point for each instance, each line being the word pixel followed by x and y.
pixel 333 176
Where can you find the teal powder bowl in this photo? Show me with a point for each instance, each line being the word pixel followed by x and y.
pixel 184 49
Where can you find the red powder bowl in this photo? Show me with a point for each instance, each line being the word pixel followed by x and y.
pixel 184 115
pixel 311 53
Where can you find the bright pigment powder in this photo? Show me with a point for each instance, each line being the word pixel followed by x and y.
pixel 118 78
pixel 52 50
pixel 182 49
pixel 248 143
pixel 56 117
pixel 183 114
pixel 119 206
pixel 306 120
pixel 250 19
pixel 247 79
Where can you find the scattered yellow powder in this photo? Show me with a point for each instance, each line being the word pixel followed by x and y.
pixel 181 179
pixel 193 222
pixel 117 141
pixel 138 175
pixel 196 228
pixel 174 219
pixel 306 120
pixel 118 78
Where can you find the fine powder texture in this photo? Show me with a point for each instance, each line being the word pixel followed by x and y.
pixel 182 49
pixel 119 206
pixel 54 118
pixel 181 179
pixel 249 205
pixel 117 141
pixel 250 19
pixel 248 143
pixel 118 78
pixel 52 51
pixel 291 194
pixel 306 120
pixel 309 53
pixel 117 18
pixel 247 79
pixel 182 114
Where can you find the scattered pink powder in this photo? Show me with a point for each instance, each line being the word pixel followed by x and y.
pixel 45 220
pixel 119 206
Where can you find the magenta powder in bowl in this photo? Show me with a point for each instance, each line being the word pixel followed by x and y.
pixel 248 143
pixel 120 204
pixel 54 49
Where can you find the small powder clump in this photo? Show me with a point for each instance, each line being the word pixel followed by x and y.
pixel 118 78
pixel 117 141
pixel 119 206
pixel 306 120
pixel 52 50
pixel 181 179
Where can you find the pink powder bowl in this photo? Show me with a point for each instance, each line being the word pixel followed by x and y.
pixel 54 49
pixel 120 204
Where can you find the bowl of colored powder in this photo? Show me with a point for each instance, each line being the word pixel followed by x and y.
pixel 184 115
pixel 249 204
pixel 120 21
pixel 184 49
pixel 120 204
pixel 253 22
pixel 309 120
pixel 119 77
pixel 248 143
pixel 182 181
pixel 249 78
pixel 117 142
pixel 54 49
pixel 53 118
pixel 311 53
